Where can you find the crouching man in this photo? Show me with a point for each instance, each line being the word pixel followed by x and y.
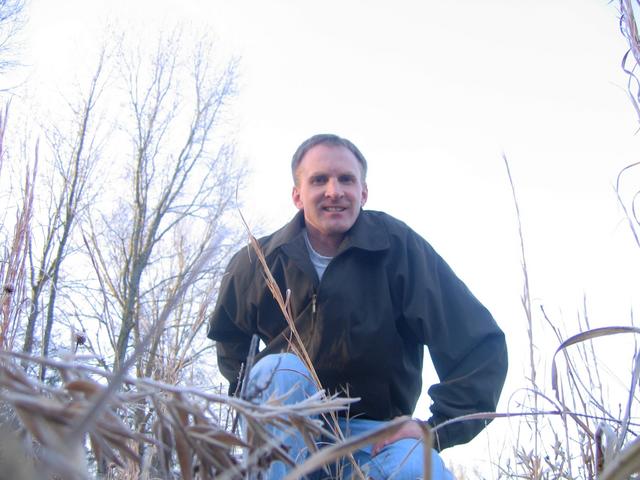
pixel 367 294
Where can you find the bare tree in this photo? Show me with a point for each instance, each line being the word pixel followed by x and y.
pixel 73 154
pixel 181 184
pixel 167 235
pixel 14 254
pixel 155 226
pixel 11 21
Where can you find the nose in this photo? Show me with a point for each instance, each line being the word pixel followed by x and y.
pixel 334 189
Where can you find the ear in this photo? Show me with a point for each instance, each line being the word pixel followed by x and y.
pixel 295 196
pixel 365 194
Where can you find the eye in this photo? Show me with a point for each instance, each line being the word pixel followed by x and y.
pixel 318 180
pixel 347 179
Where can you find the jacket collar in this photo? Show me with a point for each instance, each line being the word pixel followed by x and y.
pixel 368 233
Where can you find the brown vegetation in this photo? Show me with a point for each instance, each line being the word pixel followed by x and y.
pixel 132 397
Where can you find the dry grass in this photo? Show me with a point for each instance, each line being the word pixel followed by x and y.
pixel 584 436
pixel 80 424
pixel 190 437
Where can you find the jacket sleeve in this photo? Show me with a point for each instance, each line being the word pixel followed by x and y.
pixel 467 347
pixel 230 323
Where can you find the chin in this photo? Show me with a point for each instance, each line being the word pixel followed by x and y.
pixel 338 229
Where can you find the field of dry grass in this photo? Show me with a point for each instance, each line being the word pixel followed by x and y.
pixel 84 420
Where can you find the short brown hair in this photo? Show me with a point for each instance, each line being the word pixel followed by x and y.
pixel 326 139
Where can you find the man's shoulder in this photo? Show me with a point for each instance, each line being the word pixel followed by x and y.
pixel 392 224
pixel 401 235
pixel 245 258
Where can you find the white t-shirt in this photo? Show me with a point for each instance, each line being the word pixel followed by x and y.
pixel 319 262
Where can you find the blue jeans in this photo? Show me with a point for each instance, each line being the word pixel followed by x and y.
pixel 401 460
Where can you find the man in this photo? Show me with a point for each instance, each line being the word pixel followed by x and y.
pixel 367 293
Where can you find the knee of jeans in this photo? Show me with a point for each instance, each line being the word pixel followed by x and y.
pixel 280 373
pixel 414 463
pixel 404 460
pixel 438 469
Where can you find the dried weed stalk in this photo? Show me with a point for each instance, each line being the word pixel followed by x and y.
pixel 591 442
pixel 188 438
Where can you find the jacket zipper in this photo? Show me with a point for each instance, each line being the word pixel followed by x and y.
pixel 314 299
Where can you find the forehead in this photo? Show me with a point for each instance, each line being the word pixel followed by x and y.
pixel 329 158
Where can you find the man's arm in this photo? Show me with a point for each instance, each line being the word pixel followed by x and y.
pixel 230 324
pixel 472 385
pixel 231 355
pixel 466 345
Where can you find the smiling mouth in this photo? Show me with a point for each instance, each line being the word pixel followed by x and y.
pixel 334 209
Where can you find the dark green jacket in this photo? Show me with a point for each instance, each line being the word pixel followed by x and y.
pixel 385 295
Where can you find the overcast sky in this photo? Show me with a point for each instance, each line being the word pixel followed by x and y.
pixel 433 93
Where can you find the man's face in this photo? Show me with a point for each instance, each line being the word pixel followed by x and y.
pixel 330 190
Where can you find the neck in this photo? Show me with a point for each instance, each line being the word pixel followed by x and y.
pixel 325 245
